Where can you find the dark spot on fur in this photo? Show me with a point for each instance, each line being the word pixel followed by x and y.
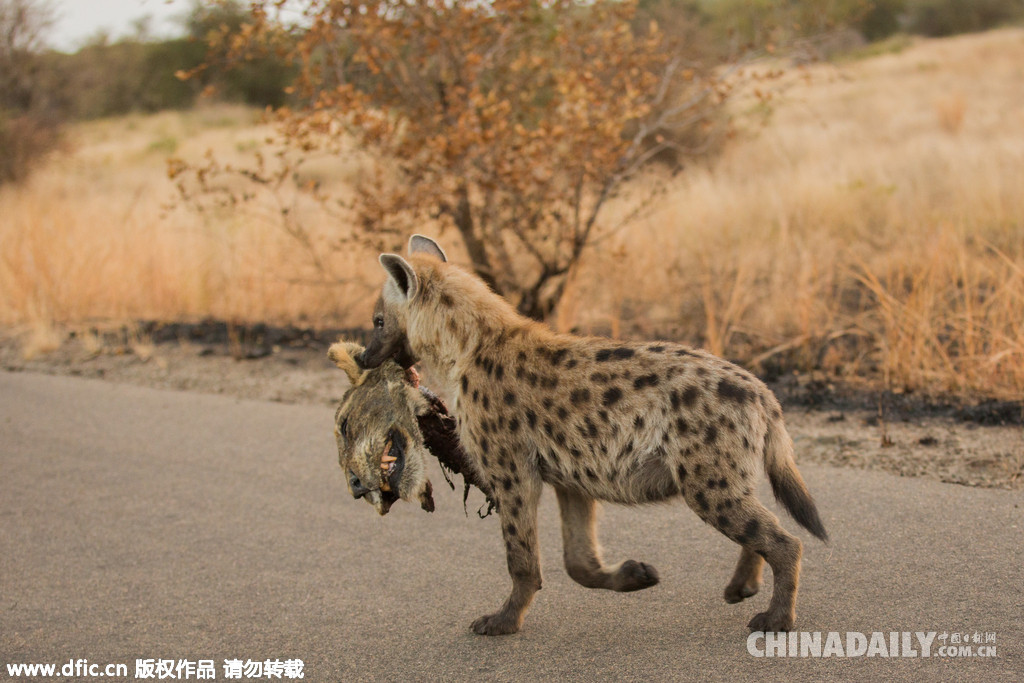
pixel 570 364
pixel 722 483
pixel 638 422
pixel 599 378
pixel 681 426
pixel 734 392
pixel 557 356
pixel 723 522
pixel 513 425
pixel 681 473
pixel 506 483
pixel 486 402
pixel 710 434
pixel 562 413
pixel 591 428
pixel 645 381
pixel 611 396
pixel 446 300
pixel 549 428
pixel 702 502
pixel 521 356
pixel 603 414
pixel 499 372
pixel 476 396
pixel 547 403
pixel 656 349
pixel 749 531
pixel 549 382
pixel 592 474
pixel 510 398
pixel 465 384
pixel 620 353
pixel 684 352
pixel 531 377
pixel 676 399
pixel 579 396
pixel 690 396
pixel 510 530
pixel 531 418
pixel 485 445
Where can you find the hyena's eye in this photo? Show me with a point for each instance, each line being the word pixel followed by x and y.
pixel 378 321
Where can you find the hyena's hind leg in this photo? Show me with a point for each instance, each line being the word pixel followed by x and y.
pixel 746 580
pixel 749 523
pixel 583 553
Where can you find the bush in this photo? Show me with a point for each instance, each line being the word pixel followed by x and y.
pixel 949 17
pixel 24 140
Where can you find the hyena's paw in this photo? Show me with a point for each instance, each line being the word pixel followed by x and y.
pixel 740 591
pixel 497 624
pixel 634 576
pixel 765 621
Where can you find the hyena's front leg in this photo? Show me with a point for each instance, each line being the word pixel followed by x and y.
pixel 517 495
pixel 583 554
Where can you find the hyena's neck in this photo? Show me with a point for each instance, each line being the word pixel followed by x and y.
pixel 457 316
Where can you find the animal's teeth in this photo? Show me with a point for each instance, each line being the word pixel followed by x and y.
pixel 388 458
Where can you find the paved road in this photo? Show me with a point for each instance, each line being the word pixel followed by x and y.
pixel 137 523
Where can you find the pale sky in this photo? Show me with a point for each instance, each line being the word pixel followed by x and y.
pixel 78 20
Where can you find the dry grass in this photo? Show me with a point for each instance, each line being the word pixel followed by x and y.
pixel 872 229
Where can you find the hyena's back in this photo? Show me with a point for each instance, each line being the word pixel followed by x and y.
pixel 630 422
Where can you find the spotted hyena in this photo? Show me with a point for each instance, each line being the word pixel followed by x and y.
pixel 596 419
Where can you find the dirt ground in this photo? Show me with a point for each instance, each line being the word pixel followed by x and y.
pixel 968 445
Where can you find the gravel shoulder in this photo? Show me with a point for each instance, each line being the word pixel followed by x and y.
pixel 910 443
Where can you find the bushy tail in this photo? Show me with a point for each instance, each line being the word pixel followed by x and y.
pixel 787 484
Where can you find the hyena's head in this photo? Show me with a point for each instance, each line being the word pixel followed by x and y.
pixel 380 447
pixel 391 315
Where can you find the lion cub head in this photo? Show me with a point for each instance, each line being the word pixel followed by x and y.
pixel 380 447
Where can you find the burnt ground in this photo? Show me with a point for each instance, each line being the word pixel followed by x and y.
pixel 976 444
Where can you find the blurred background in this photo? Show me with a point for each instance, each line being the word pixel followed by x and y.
pixel 831 187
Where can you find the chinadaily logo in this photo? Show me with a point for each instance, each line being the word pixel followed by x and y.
pixel 906 644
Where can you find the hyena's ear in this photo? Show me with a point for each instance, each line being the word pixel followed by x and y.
pixel 418 244
pixel 401 274
pixel 344 355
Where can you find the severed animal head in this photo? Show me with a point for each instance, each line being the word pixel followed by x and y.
pixel 380 446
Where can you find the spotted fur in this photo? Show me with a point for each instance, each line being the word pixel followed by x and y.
pixel 598 420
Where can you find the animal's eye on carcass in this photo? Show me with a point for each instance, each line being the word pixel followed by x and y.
pixel 378 321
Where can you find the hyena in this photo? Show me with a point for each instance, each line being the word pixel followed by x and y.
pixel 598 420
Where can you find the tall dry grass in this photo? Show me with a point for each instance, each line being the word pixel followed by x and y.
pixel 100 234
pixel 871 230
pixel 874 229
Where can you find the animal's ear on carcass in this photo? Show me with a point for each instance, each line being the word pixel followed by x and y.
pixel 345 355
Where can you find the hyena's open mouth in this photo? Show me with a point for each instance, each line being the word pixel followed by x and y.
pixel 392 464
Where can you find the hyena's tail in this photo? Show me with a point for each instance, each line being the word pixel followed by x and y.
pixel 787 484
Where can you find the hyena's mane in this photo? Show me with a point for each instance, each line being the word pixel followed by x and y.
pixel 455 313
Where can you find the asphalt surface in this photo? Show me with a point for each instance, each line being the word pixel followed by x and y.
pixel 145 524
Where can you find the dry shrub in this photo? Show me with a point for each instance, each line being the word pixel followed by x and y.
pixel 24 141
